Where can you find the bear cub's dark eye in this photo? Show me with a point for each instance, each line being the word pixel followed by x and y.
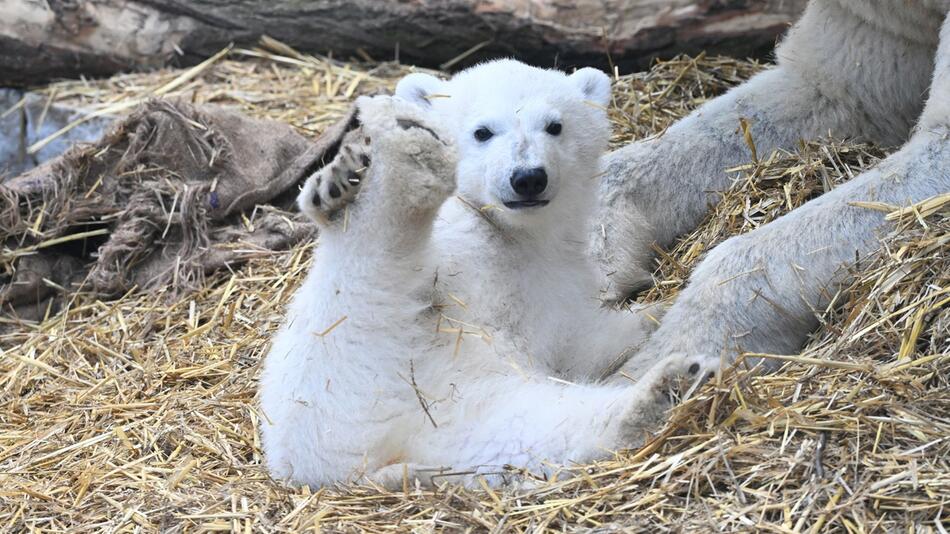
pixel 483 134
pixel 553 128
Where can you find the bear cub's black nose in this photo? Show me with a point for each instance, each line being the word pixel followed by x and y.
pixel 529 182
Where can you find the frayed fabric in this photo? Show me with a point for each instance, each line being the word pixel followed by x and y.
pixel 157 202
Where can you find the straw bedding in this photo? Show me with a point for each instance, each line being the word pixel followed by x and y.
pixel 138 414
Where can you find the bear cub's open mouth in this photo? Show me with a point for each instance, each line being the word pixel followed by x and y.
pixel 518 204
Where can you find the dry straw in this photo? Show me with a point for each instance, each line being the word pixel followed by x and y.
pixel 139 415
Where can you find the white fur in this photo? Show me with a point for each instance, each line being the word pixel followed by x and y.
pixel 852 68
pixel 450 334
pixel 457 322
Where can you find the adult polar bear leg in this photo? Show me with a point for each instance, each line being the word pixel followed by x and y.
pixel 851 68
pixel 537 424
pixel 759 292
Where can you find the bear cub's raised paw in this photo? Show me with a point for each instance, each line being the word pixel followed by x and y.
pixel 330 189
pixel 400 138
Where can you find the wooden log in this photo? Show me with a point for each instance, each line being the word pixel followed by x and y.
pixel 40 40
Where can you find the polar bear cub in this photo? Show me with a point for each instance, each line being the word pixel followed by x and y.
pixel 450 324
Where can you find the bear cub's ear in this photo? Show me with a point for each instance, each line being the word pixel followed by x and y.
pixel 594 84
pixel 417 88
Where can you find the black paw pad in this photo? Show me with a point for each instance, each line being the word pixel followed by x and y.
pixel 693 369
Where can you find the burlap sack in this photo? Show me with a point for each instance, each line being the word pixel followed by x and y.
pixel 156 202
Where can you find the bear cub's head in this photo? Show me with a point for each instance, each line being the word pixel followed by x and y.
pixel 529 139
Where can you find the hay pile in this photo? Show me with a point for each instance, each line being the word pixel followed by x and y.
pixel 138 415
